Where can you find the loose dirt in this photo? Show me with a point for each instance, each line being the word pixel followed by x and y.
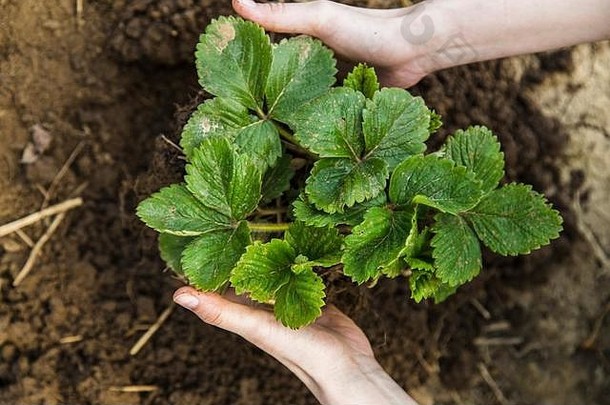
pixel 112 77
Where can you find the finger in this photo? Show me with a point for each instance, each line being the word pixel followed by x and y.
pixel 334 319
pixel 317 18
pixel 381 12
pixel 329 317
pixel 256 325
pixel 280 17
pixel 353 33
pixel 399 77
pixel 305 18
pixel 244 299
pixel 238 299
pixel 219 311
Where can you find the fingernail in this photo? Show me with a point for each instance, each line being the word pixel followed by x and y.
pixel 187 301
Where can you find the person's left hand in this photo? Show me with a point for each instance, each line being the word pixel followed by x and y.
pixel 356 34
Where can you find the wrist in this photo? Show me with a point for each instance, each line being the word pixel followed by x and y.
pixel 458 32
pixel 359 380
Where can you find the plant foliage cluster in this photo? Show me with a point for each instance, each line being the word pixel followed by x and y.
pixel 373 203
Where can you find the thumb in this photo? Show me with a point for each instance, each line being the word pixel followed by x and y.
pixel 295 18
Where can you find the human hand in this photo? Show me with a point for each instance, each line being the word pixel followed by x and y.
pixel 356 34
pixel 406 44
pixel 332 357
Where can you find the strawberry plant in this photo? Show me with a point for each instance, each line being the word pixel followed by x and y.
pixel 366 199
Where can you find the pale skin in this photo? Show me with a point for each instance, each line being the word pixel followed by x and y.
pixel 333 357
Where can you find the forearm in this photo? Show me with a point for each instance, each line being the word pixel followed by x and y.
pixel 466 31
pixel 361 383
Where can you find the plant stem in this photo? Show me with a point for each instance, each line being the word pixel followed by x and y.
pixel 298 150
pixel 261 114
pixel 271 211
pixel 286 135
pixel 268 228
pixel 294 144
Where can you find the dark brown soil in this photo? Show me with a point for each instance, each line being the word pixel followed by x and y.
pixel 112 80
pixel 163 31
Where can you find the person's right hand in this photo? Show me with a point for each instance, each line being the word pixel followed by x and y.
pixel 332 356
pixel 356 34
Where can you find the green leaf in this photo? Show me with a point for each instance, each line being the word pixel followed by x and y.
pixel 515 220
pixel 299 302
pixel 331 125
pixel 376 242
pixel 233 60
pixel 302 69
pixel 261 141
pixel 363 79
pixel 436 122
pixel 308 213
pixel 215 117
pixel 210 173
pixel 395 126
pixel 419 263
pixel 244 192
pixel 301 264
pixel 424 285
pixel 316 244
pixel 228 119
pixel 277 179
pixel 276 270
pixel 417 252
pixel 457 254
pixel 223 180
pixel 393 268
pixel 434 182
pixel 171 248
pixel 478 149
pixel 175 210
pixel 263 269
pixel 208 260
pixel 417 242
pixel 338 183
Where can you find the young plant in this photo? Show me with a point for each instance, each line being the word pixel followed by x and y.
pixel 373 204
